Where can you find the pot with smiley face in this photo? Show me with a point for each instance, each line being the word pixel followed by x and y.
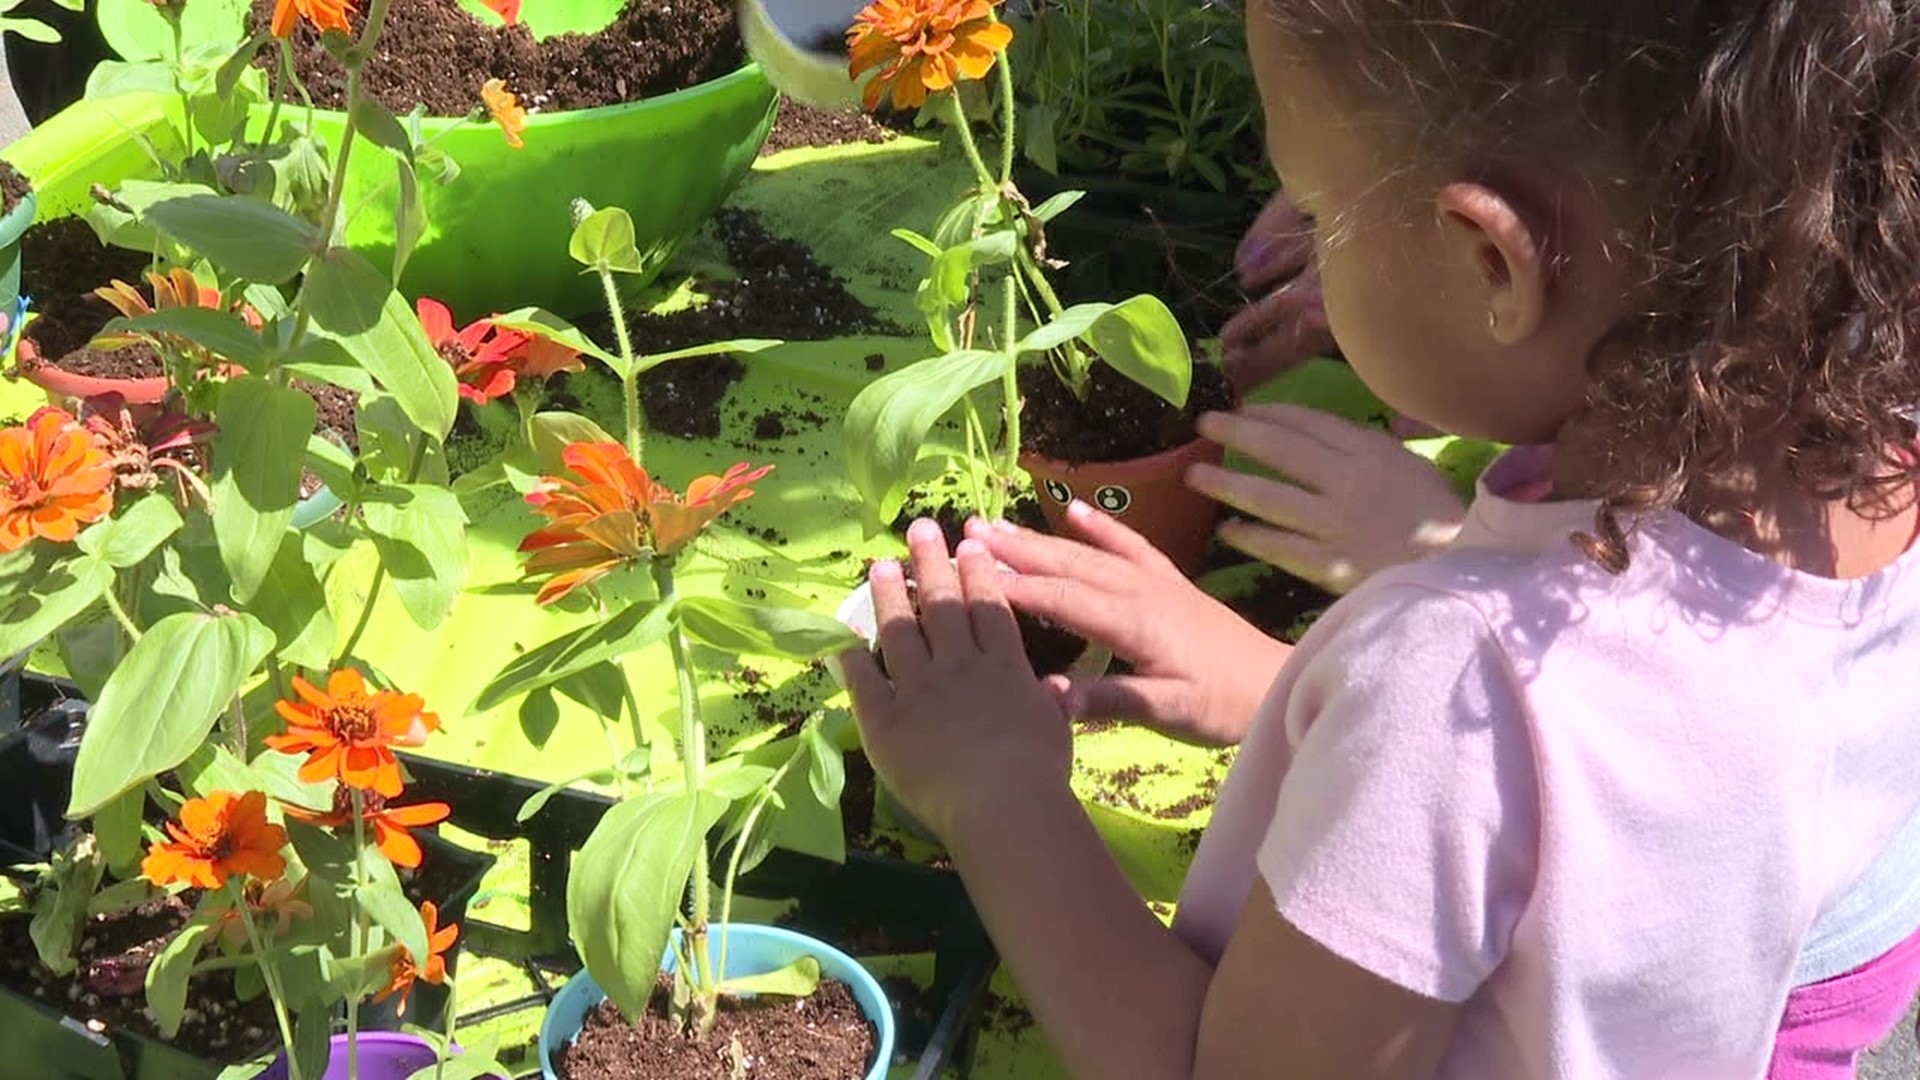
pixel 1148 494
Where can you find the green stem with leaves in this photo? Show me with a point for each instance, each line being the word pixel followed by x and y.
pixel 360 921
pixel 172 15
pixel 762 799
pixel 629 379
pixel 1006 120
pixel 269 973
pixel 693 753
pixel 380 569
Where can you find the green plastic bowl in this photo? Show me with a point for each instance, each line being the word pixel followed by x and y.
pixel 496 237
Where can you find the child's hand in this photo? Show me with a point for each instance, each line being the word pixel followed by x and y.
pixel 1350 500
pixel 1199 670
pixel 963 725
pixel 1288 323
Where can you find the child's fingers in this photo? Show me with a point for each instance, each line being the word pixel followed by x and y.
pixel 1299 555
pixel 1099 614
pixel 1333 431
pixel 1025 551
pixel 1108 534
pixel 993 627
pixel 943 614
pixel 900 640
pixel 1276 444
pixel 1275 502
pixel 869 689
pixel 1162 703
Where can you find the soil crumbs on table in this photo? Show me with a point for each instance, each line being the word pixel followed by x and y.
pixel 438 55
pixel 61 262
pixel 107 991
pixel 821 1037
pixel 1283 605
pixel 1124 421
pixel 13 187
pixel 781 291
pixel 803 125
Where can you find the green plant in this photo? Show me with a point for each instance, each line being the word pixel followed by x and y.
pixel 1153 88
pixel 989 308
pixel 605 515
pixel 33 29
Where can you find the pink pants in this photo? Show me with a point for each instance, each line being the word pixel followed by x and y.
pixel 1826 1026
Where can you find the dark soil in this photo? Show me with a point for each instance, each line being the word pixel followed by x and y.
pixel 780 292
pixel 107 991
pixel 13 188
pixel 62 262
pixel 1119 421
pixel 804 125
pixel 336 411
pixel 1282 605
pixel 857 800
pixel 433 53
pixel 821 1037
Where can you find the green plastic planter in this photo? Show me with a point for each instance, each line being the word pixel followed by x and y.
pixel 496 237
pixel 12 227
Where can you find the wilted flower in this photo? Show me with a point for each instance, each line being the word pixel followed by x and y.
pixel 505 109
pixel 406 971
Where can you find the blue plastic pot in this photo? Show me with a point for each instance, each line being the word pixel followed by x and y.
pixel 751 949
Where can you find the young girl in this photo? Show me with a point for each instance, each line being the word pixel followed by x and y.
pixel 1571 797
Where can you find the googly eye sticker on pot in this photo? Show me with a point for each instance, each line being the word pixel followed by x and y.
pixel 1058 491
pixel 1113 498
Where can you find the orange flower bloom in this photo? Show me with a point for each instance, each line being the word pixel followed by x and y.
pixel 404 971
pixel 323 14
pixel 389 823
pixel 922 47
pixel 275 903
pixel 217 837
pixel 348 733
pixel 618 515
pixel 479 351
pixel 54 477
pixel 505 109
pixel 508 10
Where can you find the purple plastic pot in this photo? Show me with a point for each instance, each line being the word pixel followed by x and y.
pixel 384 1055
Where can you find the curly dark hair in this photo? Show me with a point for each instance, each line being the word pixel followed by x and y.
pixel 1762 161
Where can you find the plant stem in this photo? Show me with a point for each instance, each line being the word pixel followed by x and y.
pixel 1006 120
pixel 172 15
pixel 762 799
pixel 1010 381
pixel 629 380
pixel 693 752
pixel 271 975
pixel 274 91
pixel 237 728
pixel 360 920
pixel 380 568
pixel 958 114
pixel 120 613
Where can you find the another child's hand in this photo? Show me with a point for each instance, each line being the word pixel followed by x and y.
pixel 1349 500
pixel 958 724
pixel 1288 323
pixel 1199 670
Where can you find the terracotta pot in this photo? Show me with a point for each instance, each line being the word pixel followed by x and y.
pixel 1149 494
pixel 63 386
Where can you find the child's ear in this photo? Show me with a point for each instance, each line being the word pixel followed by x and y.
pixel 1491 234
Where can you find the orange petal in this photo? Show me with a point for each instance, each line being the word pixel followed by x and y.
pixel 346 683
pixel 400 848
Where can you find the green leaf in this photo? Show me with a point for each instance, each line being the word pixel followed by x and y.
pixel 354 304
pixel 738 781
pixel 222 333
pixel 31 29
pixel 168 974
pixel 353 978
pixel 826 767
pixel 117 830
pixel 312 1041
pixel 634 628
pixel 716 348
pixel 949 281
pixel 1138 337
pixel 126 539
pixel 61 903
pixel 798 979
pixel 160 703
pixel 409 217
pixel 28 616
pixel 887 423
pixel 172 580
pixel 293 606
pixel 242 236
pixel 421 533
pixel 332 464
pixel 257 458
pixel 759 630
pixel 627 884
pixel 382 128
pixel 121 896
pixel 604 241
pixel 1057 205
pixel 546 324
pixel 326 360
pixel 112 78
pixel 539 799
pixel 553 431
pixel 919 243
pixel 236 65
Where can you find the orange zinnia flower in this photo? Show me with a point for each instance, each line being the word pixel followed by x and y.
pixel 923 46
pixel 348 733
pixel 506 110
pixel 389 823
pixel 325 15
pixel 277 903
pixel 478 351
pixel 404 971
pixel 54 477
pixel 508 10
pixel 217 837
pixel 618 515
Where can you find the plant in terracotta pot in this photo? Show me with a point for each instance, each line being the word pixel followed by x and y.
pixel 665 964
pixel 1070 379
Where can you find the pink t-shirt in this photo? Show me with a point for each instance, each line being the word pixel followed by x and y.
pixel 1601 811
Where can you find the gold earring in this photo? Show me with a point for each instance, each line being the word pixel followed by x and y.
pixel 1493 320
